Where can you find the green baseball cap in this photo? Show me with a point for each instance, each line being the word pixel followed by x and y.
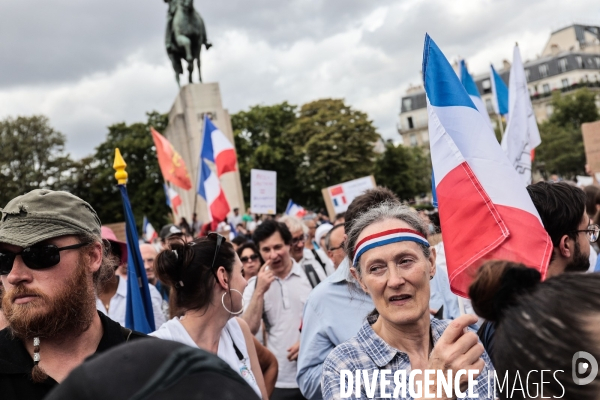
pixel 44 214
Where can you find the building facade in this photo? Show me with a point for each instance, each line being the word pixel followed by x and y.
pixel 570 60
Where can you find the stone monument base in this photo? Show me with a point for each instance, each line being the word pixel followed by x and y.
pixel 185 134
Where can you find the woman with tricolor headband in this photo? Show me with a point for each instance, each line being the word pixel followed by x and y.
pixel 393 263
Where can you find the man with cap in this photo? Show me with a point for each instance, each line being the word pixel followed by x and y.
pixel 112 294
pixel 52 258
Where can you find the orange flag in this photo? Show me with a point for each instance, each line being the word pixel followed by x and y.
pixel 171 163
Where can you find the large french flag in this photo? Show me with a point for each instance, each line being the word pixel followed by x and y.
pixel 217 148
pixel 485 211
pixel 471 88
pixel 209 187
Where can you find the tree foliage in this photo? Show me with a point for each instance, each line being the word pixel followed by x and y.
pixel 406 171
pixel 94 181
pixel 32 156
pixel 561 150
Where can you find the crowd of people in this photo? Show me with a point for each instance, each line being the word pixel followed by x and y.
pixel 278 307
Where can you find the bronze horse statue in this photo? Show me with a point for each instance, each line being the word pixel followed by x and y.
pixel 185 36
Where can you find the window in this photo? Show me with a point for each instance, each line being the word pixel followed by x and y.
pixel 407 104
pixel 565 83
pixel 563 64
pixel 535 89
pixel 527 75
pixel 489 106
pixel 487 86
pixel 580 63
pixel 546 88
pixel 413 139
pixel 410 123
pixel 597 59
pixel 543 70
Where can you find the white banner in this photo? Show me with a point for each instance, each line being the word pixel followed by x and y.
pixel 263 191
pixel 342 195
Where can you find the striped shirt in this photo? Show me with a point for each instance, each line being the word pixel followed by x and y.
pixel 367 351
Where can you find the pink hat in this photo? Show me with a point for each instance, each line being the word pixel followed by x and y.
pixel 109 235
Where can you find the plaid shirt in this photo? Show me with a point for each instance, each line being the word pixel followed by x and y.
pixel 367 351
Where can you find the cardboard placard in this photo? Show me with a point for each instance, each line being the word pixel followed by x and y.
pixel 338 197
pixel 591 142
pixel 263 191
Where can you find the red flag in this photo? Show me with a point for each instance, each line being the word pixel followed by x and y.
pixel 171 163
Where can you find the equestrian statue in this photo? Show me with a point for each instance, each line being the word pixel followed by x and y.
pixel 184 37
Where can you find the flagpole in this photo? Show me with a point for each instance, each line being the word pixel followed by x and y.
pixel 501 127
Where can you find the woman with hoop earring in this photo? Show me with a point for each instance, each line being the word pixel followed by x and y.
pixel 205 276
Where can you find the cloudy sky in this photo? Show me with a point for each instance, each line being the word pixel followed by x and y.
pixel 87 64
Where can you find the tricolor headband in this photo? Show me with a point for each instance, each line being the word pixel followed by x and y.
pixel 385 238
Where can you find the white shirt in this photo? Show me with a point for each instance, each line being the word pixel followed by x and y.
pixel 309 258
pixel 231 333
pixel 283 307
pixel 118 304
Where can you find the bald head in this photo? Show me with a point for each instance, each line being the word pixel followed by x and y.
pixel 149 253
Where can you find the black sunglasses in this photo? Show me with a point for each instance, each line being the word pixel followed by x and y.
pixel 220 239
pixel 35 257
pixel 245 259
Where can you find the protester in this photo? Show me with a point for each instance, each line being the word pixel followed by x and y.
pixel 206 277
pixel 340 218
pixel 334 244
pixel 3 322
pixel 316 266
pixel 320 235
pixel 149 253
pixel 185 226
pixel 325 325
pixel 144 370
pixel 251 259
pixel 236 219
pixel 281 304
pixel 52 258
pixel 592 207
pixel 238 241
pixel 540 327
pixel 112 294
pixel 196 225
pixel 311 224
pixel 170 233
pixel 395 269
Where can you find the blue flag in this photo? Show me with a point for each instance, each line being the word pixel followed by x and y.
pixel 138 315
pixel 499 93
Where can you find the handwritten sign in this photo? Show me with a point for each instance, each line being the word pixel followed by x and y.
pixel 263 191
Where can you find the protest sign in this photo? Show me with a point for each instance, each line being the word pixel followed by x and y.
pixel 591 141
pixel 338 197
pixel 263 191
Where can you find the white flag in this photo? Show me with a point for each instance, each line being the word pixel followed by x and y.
pixel 522 134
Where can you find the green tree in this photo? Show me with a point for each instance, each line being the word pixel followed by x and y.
pixel 561 151
pixel 404 170
pixel 332 143
pixel 93 177
pixel 260 144
pixel 32 156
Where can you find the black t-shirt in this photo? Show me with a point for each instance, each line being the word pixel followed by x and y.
pixel 16 363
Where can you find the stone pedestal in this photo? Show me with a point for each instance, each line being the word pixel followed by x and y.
pixel 185 133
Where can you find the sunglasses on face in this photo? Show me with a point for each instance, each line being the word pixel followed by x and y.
pixel 35 257
pixel 296 240
pixel 246 259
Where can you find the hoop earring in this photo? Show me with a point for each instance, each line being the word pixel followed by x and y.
pixel 226 309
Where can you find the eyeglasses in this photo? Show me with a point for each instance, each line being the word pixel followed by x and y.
pixel 35 257
pixel 339 247
pixel 220 239
pixel 592 232
pixel 246 259
pixel 296 240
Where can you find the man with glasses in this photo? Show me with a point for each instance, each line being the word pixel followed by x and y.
pixel 334 244
pixel 52 258
pixel 281 304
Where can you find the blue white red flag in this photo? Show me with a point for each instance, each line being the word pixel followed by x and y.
pixel 294 209
pixel 485 212
pixel 173 198
pixel 499 93
pixel 148 230
pixel 469 84
pixel 217 150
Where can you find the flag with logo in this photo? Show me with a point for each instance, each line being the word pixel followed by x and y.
pixel 484 212
pixel 171 164
pixel 522 135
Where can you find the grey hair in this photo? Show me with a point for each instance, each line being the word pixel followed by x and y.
pixel 381 212
pixel 294 224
